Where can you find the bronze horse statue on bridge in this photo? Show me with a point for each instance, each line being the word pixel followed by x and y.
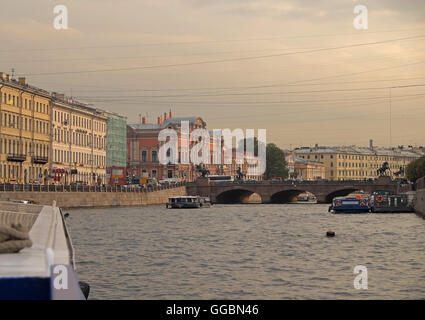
pixel 383 169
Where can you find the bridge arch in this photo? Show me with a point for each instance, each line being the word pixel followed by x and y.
pixel 339 193
pixel 287 196
pixel 238 196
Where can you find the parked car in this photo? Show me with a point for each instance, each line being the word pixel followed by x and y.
pixel 78 184
pixel 169 181
pixel 132 186
pixel 152 182
pixel 276 179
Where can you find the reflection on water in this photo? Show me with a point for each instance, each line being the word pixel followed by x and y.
pixel 247 252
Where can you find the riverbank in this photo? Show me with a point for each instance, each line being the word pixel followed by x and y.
pixel 420 197
pixel 95 199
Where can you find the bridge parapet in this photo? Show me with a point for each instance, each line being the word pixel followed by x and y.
pixel 287 191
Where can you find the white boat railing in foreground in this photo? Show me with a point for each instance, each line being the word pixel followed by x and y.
pixel 51 248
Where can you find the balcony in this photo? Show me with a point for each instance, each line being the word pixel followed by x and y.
pixel 40 159
pixel 16 157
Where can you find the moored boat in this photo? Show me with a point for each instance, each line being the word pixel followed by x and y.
pixel 387 202
pixel 353 203
pixel 306 198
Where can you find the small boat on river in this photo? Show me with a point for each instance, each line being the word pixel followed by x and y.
pixel 188 202
pixel 353 203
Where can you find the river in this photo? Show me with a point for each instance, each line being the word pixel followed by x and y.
pixel 247 252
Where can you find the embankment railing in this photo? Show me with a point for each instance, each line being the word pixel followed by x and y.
pixel 8 187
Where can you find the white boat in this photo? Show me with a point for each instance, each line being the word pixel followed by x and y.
pixel 44 270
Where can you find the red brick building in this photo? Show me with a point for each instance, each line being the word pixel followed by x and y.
pixel 143 151
pixel 143 148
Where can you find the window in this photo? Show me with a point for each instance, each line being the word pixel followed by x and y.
pixel 154 156
pixel 144 156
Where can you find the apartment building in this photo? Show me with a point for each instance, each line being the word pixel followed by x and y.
pixel 25 128
pixel 304 169
pixel 78 142
pixel 116 148
pixel 359 163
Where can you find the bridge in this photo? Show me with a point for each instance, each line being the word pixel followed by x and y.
pixel 287 191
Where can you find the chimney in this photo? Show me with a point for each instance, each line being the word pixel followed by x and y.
pixel 59 96
pixel 22 81
pixel 316 146
pixel 165 116
pixel 143 120
pixel 371 144
pixel 171 115
pixel 159 120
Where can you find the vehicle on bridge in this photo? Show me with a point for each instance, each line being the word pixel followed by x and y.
pixel 356 202
pixel 188 202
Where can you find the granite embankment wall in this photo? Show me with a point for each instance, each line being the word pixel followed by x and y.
pixel 96 199
pixel 420 197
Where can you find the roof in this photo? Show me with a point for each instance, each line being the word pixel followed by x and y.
pixel 354 150
pixel 164 124
pixel 15 83
pixel 306 161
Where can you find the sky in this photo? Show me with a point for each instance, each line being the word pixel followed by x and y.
pixel 299 69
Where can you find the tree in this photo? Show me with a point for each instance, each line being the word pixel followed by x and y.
pixel 276 164
pixel 255 144
pixel 416 169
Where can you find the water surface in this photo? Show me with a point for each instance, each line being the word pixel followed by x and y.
pixel 247 252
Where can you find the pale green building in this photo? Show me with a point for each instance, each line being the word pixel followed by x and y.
pixel 116 140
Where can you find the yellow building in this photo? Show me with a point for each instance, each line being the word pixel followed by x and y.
pixel 304 169
pixel 359 163
pixel 24 131
pixel 78 142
